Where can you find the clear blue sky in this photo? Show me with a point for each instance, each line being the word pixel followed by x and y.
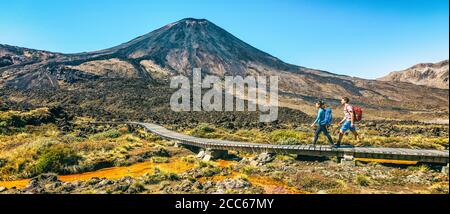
pixel 365 38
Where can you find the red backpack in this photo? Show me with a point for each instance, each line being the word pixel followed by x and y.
pixel 358 113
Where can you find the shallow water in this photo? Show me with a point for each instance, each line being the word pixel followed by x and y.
pixel 175 165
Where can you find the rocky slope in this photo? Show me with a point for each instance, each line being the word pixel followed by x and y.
pixel 428 74
pixel 10 55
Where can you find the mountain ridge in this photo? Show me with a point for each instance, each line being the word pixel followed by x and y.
pixel 428 74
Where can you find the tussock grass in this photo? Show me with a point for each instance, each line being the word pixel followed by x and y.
pixel 363 180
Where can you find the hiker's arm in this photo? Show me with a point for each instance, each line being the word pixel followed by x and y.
pixel 317 118
pixel 352 115
pixel 343 120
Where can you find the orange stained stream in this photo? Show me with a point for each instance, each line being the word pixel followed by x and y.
pixel 400 162
pixel 175 165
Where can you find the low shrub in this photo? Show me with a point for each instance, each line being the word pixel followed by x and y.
pixel 157 159
pixel 189 159
pixel 54 159
pixel 419 168
pixel 290 141
pixel 203 130
pixel 110 134
pixel 285 136
pixel 363 180
pixel 249 169
pixel 158 176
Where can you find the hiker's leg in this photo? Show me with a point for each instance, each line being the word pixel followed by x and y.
pixel 325 131
pixel 316 135
pixel 341 135
pixel 342 131
pixel 356 135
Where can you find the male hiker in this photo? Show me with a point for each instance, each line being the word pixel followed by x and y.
pixel 323 120
pixel 348 123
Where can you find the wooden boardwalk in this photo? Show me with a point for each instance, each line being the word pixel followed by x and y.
pixel 420 155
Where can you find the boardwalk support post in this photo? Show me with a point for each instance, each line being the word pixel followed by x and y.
pixel 210 154
pixel 348 160
pixel 176 144
pixel 445 169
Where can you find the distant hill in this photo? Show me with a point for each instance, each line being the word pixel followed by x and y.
pixel 11 55
pixel 429 74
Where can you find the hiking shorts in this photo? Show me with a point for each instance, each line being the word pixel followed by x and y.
pixel 347 126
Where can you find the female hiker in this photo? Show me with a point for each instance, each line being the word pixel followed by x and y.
pixel 323 120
